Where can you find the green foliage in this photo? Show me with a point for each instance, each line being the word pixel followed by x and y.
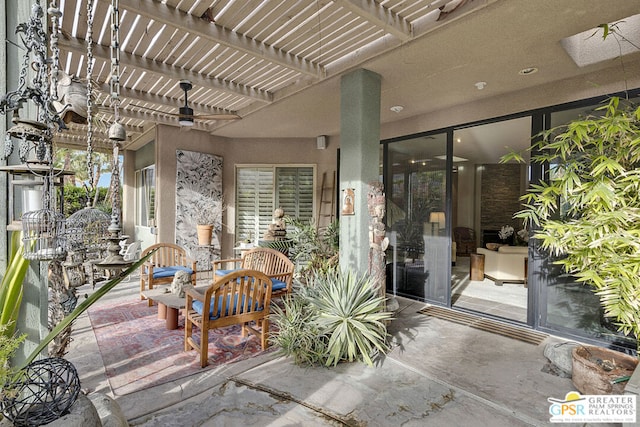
pixel 350 313
pixel 9 343
pixel 337 317
pixel 588 211
pixel 11 286
pixel 75 198
pixel 312 250
pixel 298 334
pixel 11 289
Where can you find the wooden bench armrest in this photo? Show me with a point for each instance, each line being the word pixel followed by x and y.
pixel 193 293
pixel 218 263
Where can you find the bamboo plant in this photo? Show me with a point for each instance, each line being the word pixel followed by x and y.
pixel 587 212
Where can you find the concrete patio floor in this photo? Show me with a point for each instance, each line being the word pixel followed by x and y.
pixel 438 373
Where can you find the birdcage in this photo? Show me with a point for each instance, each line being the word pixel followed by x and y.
pixel 43 235
pixel 87 230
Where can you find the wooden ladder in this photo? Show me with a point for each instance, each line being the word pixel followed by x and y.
pixel 327 201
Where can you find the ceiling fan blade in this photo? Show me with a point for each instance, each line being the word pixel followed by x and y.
pixel 221 116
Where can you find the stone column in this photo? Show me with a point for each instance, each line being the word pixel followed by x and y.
pixel 359 161
pixel 32 319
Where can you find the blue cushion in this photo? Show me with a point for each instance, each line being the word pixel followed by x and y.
pixel 159 272
pixel 276 285
pixel 197 307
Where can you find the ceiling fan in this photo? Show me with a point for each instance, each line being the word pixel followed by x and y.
pixel 186 116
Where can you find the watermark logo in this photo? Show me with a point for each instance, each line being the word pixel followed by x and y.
pixel 577 408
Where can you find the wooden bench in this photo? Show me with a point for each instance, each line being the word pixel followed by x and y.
pixel 162 266
pixel 240 297
pixel 276 265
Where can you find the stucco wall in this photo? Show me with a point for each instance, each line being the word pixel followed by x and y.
pixel 270 151
pixel 244 151
pixel 304 151
pixel 496 104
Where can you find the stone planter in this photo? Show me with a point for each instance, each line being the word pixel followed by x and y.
pixel 595 368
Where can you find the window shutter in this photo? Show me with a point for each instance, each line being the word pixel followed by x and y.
pixel 254 202
pixel 260 190
pixel 295 192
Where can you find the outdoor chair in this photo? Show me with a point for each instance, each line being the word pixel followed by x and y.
pixel 131 252
pixel 240 297
pixel 276 265
pixel 163 265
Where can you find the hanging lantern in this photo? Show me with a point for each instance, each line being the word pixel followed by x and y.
pixel 43 235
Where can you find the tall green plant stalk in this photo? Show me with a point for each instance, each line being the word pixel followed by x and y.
pixel 588 211
pixel 11 288
pixel 82 307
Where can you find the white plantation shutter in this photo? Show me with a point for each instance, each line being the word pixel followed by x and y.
pixel 259 190
pixel 254 201
pixel 294 191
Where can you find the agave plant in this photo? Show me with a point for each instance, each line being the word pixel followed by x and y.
pixel 350 312
pixel 338 317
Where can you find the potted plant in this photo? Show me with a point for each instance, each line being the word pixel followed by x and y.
pixel 587 214
pixel 208 213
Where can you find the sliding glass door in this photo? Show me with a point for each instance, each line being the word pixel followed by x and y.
pixel 491 263
pixel 419 253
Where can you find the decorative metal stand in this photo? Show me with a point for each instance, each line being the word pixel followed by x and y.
pixel 45 391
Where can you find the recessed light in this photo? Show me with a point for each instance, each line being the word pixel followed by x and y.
pixel 397 108
pixel 527 71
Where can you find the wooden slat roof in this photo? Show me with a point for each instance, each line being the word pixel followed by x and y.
pixel 240 55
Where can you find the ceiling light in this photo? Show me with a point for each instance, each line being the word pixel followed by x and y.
pixel 454 158
pixel 397 108
pixel 480 85
pixel 527 71
pixel 186 116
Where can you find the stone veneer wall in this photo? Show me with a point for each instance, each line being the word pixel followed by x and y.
pixel 499 199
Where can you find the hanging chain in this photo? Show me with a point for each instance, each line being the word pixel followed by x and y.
pixel 115 101
pixel 90 94
pixel 115 58
pixel 55 14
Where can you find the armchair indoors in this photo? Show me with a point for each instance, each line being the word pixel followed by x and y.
pixel 465 239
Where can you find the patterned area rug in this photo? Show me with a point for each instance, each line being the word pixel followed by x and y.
pixel 139 352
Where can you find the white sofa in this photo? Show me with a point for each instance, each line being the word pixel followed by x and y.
pixel 506 264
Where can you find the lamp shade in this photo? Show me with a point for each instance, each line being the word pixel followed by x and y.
pixel 186 116
pixel 439 218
